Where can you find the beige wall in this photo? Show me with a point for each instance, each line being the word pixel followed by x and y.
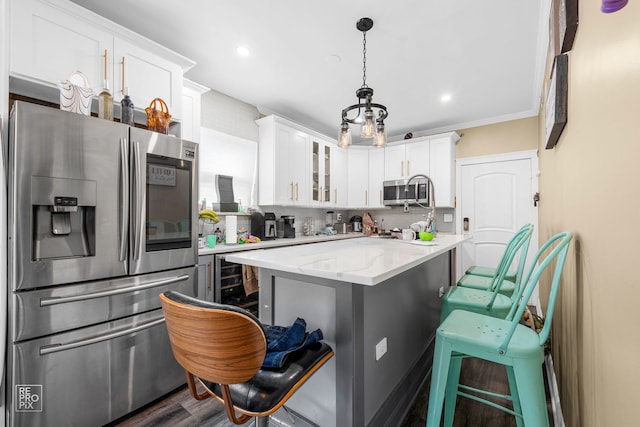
pixel 589 185
pixel 506 137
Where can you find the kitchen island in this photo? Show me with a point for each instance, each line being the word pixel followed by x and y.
pixel 377 301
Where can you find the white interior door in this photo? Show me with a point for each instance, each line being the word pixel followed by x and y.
pixel 496 199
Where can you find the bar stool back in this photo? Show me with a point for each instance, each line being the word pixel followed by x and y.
pixel 478 277
pixel 503 341
pixel 490 301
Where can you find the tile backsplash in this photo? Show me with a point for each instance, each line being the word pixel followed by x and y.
pixel 387 217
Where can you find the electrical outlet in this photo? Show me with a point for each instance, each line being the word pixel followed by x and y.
pixel 381 348
pixel 448 217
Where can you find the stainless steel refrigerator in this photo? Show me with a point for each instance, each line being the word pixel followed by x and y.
pixel 100 222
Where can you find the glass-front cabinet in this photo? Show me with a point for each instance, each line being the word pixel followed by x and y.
pixel 321 172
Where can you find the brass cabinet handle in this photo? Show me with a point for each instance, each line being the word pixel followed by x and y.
pixel 401 167
pixel 105 64
pixel 122 87
pixel 297 192
pixel 366 197
pixel 320 196
pixel 408 168
pixel 291 192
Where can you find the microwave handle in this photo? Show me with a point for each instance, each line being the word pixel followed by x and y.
pixel 124 198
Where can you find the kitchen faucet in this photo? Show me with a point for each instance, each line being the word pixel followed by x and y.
pixel 432 199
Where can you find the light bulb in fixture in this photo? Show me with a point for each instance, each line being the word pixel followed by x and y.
pixel 368 128
pixel 344 138
pixel 380 139
pixel 446 97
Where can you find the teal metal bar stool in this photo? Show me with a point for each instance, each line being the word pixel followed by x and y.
pixel 479 277
pixel 503 341
pixel 490 300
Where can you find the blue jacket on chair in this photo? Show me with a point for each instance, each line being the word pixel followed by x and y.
pixel 283 340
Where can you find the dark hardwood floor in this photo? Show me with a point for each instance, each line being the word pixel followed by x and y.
pixel 179 409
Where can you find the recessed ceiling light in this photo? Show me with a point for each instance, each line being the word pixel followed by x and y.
pixel 242 51
pixel 333 58
pixel 446 97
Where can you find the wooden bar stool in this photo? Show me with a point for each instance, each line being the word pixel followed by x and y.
pixel 222 348
pixel 504 341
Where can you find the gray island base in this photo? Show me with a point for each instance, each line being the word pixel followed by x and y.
pixel 377 302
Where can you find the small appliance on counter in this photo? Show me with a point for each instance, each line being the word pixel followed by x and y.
pixel 289 230
pixel 337 224
pixel 224 188
pixel 270 226
pixel 342 227
pixel 257 225
pixel 356 222
pixel 328 220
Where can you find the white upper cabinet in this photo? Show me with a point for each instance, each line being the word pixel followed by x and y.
pixel 376 177
pixel 442 168
pixel 147 76
pixel 191 110
pixel 321 179
pixel 358 178
pixel 283 153
pixel 405 160
pixel 54 38
pixel 339 177
pixel 433 156
pixel 49 44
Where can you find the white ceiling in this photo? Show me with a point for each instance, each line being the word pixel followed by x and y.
pixel 306 56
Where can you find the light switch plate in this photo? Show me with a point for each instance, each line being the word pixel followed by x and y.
pixel 381 348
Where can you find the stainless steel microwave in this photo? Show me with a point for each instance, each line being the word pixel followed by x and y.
pixel 397 192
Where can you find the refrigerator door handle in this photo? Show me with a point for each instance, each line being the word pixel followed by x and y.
pixel 137 176
pixel 124 199
pixel 44 302
pixel 55 348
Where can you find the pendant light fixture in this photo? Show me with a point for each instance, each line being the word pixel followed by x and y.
pixel 371 126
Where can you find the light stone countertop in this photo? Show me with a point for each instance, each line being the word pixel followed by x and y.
pixel 363 261
pixel 222 248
